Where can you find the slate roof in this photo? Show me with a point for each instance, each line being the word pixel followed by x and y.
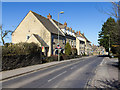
pixel 62 26
pixel 47 23
pixel 77 35
pixel 56 22
pixel 40 40
pixel 85 38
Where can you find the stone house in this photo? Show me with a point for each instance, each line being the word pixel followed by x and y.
pixel 98 50
pixel 69 35
pixel 44 31
pixel 88 47
pixel 80 43
pixel 41 30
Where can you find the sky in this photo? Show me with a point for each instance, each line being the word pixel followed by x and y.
pixel 87 17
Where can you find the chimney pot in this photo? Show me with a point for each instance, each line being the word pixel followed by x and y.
pixel 79 33
pixel 49 16
pixel 70 29
pixel 73 31
pixel 65 24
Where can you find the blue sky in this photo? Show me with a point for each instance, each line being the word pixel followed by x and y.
pixel 83 16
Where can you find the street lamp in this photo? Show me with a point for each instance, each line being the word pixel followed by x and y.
pixel 58 33
pixel 109 42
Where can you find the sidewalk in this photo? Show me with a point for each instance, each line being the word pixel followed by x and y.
pixel 20 71
pixel 106 75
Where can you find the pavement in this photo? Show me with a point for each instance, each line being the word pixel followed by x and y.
pixel 20 71
pixel 106 75
pixel 70 74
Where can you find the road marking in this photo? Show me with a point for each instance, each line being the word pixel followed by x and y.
pixel 57 76
pixel 102 62
pixel 73 67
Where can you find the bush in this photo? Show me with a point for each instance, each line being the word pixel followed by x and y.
pixel 52 58
pixel 18 61
pixel 74 51
pixel 20 55
pixel 67 49
pixel 64 57
pixel 21 49
pixel 84 54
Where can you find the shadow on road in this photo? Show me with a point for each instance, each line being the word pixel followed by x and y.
pixel 102 56
pixel 114 84
pixel 113 64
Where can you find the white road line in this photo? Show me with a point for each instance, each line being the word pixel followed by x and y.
pixel 57 76
pixel 102 62
pixel 73 67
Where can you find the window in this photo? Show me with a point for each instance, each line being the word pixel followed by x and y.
pixel 72 43
pixel 28 37
pixel 63 41
pixel 69 41
pixel 75 43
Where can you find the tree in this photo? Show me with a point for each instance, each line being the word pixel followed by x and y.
pixel 4 33
pixel 115 12
pixel 67 49
pixel 108 31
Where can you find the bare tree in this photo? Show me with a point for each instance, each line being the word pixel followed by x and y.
pixel 4 33
pixel 112 11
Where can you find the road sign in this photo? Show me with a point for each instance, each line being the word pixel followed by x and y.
pixel 116 45
pixel 43 49
pixel 58 47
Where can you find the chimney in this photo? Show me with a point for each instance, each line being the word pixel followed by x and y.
pixel 73 31
pixel 65 24
pixel 49 16
pixel 79 33
pixel 70 29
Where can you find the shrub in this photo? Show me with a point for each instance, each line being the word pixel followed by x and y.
pixel 64 57
pixel 52 58
pixel 18 61
pixel 67 49
pixel 20 55
pixel 21 49
pixel 84 54
pixel 74 51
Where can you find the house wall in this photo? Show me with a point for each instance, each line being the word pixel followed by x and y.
pixel 77 46
pixel 71 39
pixel 31 25
pixel 33 39
pixel 80 45
pixel 55 42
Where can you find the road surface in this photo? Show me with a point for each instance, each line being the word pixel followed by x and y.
pixel 73 74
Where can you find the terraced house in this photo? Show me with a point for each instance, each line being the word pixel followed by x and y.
pixel 80 43
pixel 44 32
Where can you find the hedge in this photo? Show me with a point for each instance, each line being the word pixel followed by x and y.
pixel 20 55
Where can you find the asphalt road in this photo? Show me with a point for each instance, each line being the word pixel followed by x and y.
pixel 73 74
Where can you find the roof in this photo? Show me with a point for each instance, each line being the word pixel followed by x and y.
pixel 56 22
pixel 85 38
pixel 47 23
pixel 62 26
pixel 40 40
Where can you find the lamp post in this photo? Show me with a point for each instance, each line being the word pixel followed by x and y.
pixel 58 32
pixel 109 42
